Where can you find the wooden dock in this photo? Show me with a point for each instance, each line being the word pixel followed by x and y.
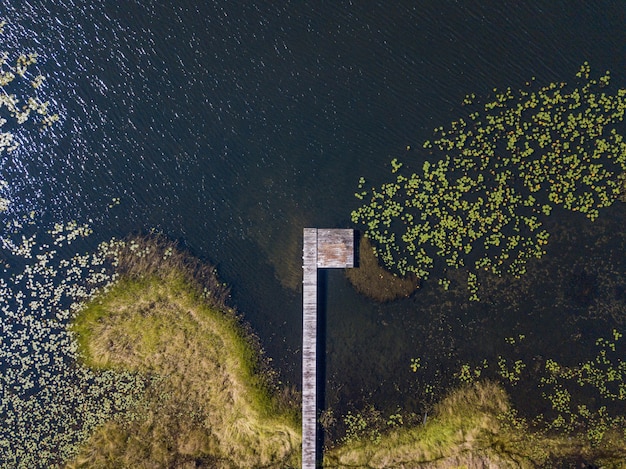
pixel 322 248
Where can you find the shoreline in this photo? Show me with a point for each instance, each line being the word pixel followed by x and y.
pixel 211 397
pixel 211 400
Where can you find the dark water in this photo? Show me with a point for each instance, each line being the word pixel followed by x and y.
pixel 232 125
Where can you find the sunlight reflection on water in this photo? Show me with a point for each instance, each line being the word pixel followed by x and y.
pixel 232 125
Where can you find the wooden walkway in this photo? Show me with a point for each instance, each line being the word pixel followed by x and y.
pixel 322 248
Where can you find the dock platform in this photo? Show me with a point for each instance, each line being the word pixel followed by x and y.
pixel 322 249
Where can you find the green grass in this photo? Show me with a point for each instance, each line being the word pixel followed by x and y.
pixel 211 402
pixel 459 428
pixel 474 427
pixel 208 404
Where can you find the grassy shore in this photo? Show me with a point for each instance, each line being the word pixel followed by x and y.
pixel 210 402
pixel 475 427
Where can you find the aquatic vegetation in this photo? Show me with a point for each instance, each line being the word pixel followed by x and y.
pixel 374 281
pixel 622 190
pixel 14 74
pixel 472 426
pixel 355 426
pixel 48 403
pixel 129 416
pixel 583 401
pixel 211 404
pixel 55 398
pixel 602 380
pixel 495 175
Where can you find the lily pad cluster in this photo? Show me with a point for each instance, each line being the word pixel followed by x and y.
pixel 18 105
pixel 495 175
pixel 13 71
pixel 49 402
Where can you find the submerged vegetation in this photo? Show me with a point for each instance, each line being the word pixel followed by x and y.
pixel 495 176
pixel 374 281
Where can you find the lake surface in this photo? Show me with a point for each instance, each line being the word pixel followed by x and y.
pixel 232 125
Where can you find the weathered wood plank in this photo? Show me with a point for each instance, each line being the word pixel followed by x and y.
pixel 309 349
pixel 322 248
pixel 335 248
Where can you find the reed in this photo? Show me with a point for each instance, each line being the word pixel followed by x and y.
pixel 474 426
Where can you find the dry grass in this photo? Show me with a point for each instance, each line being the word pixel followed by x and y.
pixel 374 281
pixel 470 430
pixel 456 432
pixel 209 402
pixel 207 405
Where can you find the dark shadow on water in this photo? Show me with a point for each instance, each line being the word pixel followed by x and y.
pixel 357 247
pixel 322 282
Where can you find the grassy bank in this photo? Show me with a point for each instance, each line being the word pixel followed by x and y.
pixel 475 427
pixel 455 436
pixel 209 401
